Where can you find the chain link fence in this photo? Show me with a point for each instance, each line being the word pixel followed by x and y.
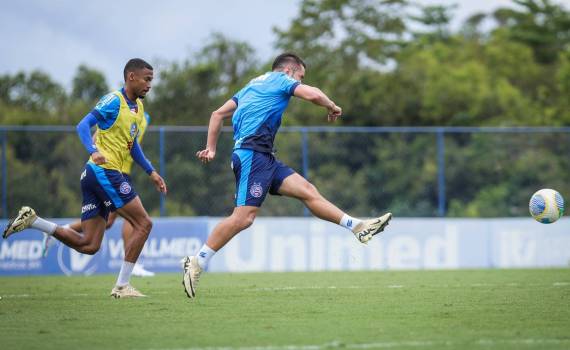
pixel 413 172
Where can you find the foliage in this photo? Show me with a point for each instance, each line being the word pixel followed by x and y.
pixel 387 63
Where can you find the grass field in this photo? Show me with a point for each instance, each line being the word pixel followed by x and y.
pixel 478 309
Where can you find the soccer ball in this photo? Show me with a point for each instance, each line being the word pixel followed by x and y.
pixel 546 206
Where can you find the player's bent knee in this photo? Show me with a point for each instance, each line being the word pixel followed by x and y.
pixel 245 221
pixel 90 249
pixel 310 191
pixel 146 225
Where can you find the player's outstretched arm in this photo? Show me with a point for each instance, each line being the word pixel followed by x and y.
pixel 318 97
pixel 216 122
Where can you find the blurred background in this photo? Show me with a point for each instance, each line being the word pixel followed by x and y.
pixel 452 108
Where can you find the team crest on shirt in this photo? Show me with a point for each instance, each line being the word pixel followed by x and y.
pixel 125 188
pixel 133 129
pixel 256 190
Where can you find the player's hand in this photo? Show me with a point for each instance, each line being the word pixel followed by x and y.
pixel 158 182
pixel 98 158
pixel 206 155
pixel 334 113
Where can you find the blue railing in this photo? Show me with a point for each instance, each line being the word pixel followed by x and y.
pixel 438 132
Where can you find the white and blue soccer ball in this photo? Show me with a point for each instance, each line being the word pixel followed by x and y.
pixel 546 206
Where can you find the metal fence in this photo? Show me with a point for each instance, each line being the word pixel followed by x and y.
pixel 413 171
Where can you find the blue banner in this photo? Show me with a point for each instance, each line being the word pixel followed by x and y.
pixel 169 241
pixel 309 244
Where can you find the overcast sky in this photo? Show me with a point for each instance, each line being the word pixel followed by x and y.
pixel 58 35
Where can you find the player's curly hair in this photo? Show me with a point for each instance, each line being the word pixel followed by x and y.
pixel 135 64
pixel 285 59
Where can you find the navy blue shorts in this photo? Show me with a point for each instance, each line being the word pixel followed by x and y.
pixel 257 174
pixel 104 191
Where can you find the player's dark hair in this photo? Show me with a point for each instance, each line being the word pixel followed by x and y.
pixel 135 64
pixel 285 59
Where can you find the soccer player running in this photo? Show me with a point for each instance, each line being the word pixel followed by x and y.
pixel 118 117
pixel 256 112
pixel 127 229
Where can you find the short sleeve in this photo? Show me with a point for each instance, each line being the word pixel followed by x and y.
pixel 287 84
pixel 107 109
pixel 238 96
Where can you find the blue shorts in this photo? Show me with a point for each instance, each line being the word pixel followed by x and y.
pixel 104 191
pixel 257 174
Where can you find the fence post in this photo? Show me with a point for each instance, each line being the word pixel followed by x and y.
pixel 305 160
pixel 441 171
pixel 162 168
pixel 4 177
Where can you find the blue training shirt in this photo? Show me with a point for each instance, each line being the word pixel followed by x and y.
pixel 107 109
pixel 261 104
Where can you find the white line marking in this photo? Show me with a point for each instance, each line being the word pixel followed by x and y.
pixel 292 288
pixel 392 286
pixel 382 345
pixel 81 295
pixel 16 296
pixel 287 288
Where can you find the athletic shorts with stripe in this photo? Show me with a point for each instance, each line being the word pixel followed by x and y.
pixel 104 191
pixel 257 173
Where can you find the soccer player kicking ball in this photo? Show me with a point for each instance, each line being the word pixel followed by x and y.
pixel 256 112
pixel 118 117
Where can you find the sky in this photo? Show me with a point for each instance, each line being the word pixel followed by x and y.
pixel 56 36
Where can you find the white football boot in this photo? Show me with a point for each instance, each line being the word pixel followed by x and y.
pixel 192 271
pixel 126 291
pixel 369 228
pixel 25 218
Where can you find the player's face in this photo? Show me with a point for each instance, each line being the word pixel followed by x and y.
pixel 296 72
pixel 140 81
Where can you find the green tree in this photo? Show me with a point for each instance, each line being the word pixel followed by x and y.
pixel 88 84
pixel 30 98
pixel 188 92
pixel 542 25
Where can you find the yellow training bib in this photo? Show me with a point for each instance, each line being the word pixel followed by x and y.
pixel 128 163
pixel 115 143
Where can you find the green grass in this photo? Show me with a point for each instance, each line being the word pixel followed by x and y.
pixel 477 309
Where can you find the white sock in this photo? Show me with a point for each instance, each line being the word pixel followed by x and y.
pixel 44 225
pixel 125 273
pixel 349 222
pixel 204 255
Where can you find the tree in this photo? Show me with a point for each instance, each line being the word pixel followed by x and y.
pixel 436 20
pixel 540 24
pixel 188 92
pixel 88 85
pixel 30 98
